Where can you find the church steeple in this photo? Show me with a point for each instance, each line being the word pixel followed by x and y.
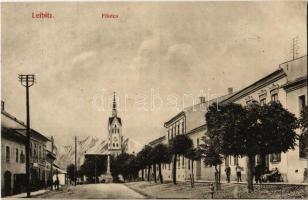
pixel 114 106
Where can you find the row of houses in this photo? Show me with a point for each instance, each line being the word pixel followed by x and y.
pixel 43 153
pixel 287 84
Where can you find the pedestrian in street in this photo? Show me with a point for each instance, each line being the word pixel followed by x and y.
pixel 305 175
pixel 238 170
pixel 57 183
pixel 258 173
pixel 228 173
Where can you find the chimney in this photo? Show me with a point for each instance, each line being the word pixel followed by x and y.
pixel 2 105
pixel 202 99
pixel 230 90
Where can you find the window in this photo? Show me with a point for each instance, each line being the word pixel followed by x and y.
pixel 178 160
pixel 275 157
pixel 183 162
pixel 198 142
pixel 113 144
pixel 117 144
pixel 235 160
pixel 22 157
pixel 168 135
pixel 7 154
pixel 17 155
pixel 188 164
pixel 301 103
pixel 182 127
pixel 274 97
pixel 34 153
pixel 303 146
pixel 179 129
pixel 262 102
pixel 31 153
pixel 227 160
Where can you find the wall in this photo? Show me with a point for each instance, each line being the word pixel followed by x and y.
pixel 295 164
pixel 12 166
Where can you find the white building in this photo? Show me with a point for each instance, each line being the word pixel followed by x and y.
pixel 287 84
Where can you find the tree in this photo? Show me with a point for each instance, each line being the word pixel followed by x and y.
pixel 71 172
pixel 179 146
pixel 145 156
pixel 303 121
pixel 94 166
pixel 212 157
pixel 193 154
pixel 161 154
pixel 251 130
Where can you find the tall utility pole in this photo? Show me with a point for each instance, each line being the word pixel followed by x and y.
pixel 51 168
pixel 295 47
pixel 75 160
pixel 27 81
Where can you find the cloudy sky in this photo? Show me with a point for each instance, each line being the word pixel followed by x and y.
pixel 152 55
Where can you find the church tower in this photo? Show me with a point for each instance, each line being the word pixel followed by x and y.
pixel 115 131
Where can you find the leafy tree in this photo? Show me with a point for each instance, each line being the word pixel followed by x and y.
pixel 126 165
pixel 303 121
pixel 193 154
pixel 179 146
pixel 251 130
pixel 212 157
pixel 94 166
pixel 161 154
pixel 141 163
pixel 145 156
pixel 71 172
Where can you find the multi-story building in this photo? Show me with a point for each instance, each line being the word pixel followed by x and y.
pixel 287 84
pixel 13 140
pixel 13 167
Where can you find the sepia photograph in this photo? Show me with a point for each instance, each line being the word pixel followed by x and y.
pixel 154 100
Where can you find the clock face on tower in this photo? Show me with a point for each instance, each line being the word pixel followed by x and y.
pixel 115 139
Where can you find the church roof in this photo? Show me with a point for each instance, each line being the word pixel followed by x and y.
pixel 112 118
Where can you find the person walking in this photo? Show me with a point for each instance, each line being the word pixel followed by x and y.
pixel 258 173
pixel 238 170
pixel 228 173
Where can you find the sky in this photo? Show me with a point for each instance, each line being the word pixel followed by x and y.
pixel 158 57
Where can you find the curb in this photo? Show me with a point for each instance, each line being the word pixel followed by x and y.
pixel 147 196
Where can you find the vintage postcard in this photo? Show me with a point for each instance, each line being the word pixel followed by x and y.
pixel 160 99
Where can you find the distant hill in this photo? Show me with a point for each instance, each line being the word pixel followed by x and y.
pixel 90 144
pixel 66 154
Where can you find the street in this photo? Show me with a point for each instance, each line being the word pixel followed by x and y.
pixel 92 191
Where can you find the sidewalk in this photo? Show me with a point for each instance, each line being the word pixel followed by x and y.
pixel 243 182
pixel 24 195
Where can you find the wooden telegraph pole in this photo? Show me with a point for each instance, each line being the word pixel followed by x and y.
pixel 27 81
pixel 75 160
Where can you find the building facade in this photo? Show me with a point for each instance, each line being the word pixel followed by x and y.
pixel 13 167
pixel 13 156
pixel 287 84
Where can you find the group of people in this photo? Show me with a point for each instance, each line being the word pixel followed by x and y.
pixel 260 174
pixel 238 170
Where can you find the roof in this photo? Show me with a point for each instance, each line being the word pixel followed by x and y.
pixel 10 122
pixel 112 118
pixel 195 114
pixel 297 83
pixel 157 140
pixel 272 77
